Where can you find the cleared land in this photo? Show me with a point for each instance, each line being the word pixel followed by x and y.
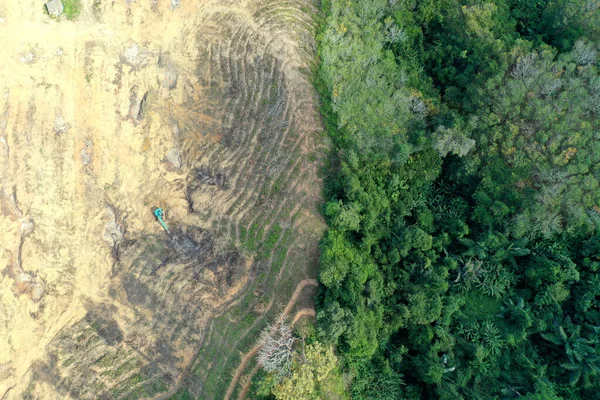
pixel 205 110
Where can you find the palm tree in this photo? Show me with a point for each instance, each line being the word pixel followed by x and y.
pixel 583 360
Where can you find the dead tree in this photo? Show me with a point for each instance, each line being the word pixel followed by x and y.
pixel 277 342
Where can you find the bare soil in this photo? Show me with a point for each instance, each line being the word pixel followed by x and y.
pixel 204 110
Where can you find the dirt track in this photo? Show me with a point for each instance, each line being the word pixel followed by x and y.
pixel 240 369
pixel 305 312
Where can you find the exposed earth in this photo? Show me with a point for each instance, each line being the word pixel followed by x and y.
pixel 203 108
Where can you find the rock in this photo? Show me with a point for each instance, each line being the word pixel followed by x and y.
pixel 27 227
pixel 170 78
pixel 25 283
pixel 37 292
pixel 113 230
pixel 24 279
pixel 168 71
pixel 86 152
pixel 174 4
pixel 137 104
pixel 55 8
pixel 173 158
pixel 60 125
pixel 27 58
pixel 3 141
pixel 135 56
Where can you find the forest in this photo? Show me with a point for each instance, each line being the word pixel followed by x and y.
pixel 463 203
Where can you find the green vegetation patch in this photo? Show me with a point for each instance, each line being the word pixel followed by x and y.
pixel 123 368
pixel 462 197
pixel 71 8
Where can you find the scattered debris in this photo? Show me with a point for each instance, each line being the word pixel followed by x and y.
pixel 55 8
pixel 114 232
pixel 260 307
pixel 210 177
pixel 203 176
pixel 6 370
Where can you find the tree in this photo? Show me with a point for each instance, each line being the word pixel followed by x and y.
pixel 277 341
pixel 583 361
pixel 462 198
pixel 565 21
pixel 538 144
pixel 309 376
pixel 452 141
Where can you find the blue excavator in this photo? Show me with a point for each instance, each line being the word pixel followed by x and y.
pixel 160 215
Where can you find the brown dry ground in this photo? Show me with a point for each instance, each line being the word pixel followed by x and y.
pixel 205 110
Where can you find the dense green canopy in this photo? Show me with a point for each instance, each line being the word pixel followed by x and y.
pixel 463 200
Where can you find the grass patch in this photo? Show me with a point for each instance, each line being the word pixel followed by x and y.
pixel 148 389
pixel 182 394
pixel 69 361
pixel 253 235
pixel 72 8
pixel 243 234
pixel 269 244
pixel 277 186
pixel 122 369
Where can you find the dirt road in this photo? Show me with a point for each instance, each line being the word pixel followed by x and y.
pixel 240 369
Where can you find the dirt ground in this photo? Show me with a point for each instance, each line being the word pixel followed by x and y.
pixel 200 107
